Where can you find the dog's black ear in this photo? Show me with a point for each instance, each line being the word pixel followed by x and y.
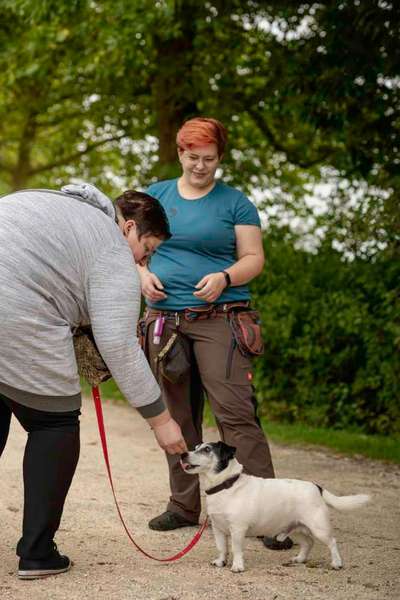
pixel 230 451
pixel 226 453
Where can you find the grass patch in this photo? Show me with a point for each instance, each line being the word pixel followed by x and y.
pixel 350 443
pixel 346 442
pixel 109 390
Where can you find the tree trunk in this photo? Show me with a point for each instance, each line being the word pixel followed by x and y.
pixel 21 172
pixel 173 91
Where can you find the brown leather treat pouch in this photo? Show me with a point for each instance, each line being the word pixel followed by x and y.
pixel 173 361
pixel 246 330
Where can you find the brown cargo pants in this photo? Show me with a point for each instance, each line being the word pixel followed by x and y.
pixel 231 399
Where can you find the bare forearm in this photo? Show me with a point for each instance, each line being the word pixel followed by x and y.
pixel 160 419
pixel 142 270
pixel 245 269
pixel 152 287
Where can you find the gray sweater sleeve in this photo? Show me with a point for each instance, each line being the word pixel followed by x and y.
pixel 113 297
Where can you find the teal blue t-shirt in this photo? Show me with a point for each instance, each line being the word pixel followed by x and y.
pixel 203 241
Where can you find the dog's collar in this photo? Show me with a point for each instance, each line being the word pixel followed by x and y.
pixel 225 485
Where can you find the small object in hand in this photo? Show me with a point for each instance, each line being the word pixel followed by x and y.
pixel 158 329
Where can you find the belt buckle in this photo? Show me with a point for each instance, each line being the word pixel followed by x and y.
pixel 190 315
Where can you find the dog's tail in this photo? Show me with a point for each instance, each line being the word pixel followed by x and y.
pixel 345 502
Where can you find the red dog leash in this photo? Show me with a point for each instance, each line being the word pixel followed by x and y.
pixel 100 421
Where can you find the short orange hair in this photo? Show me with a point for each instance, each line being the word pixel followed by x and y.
pixel 201 131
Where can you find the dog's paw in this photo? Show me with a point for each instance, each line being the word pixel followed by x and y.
pixel 218 562
pixel 297 560
pixel 337 566
pixel 237 568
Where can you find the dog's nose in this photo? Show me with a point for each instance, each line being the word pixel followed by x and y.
pixel 184 455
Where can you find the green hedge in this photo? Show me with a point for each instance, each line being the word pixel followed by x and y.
pixel 332 337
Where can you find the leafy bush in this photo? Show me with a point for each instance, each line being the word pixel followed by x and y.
pixel 332 337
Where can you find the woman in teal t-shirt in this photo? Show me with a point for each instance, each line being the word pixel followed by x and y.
pixel 215 250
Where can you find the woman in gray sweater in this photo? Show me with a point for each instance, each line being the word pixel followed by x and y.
pixel 66 261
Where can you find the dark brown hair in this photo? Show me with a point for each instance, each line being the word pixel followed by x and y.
pixel 146 211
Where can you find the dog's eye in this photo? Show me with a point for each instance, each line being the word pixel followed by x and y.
pixel 207 449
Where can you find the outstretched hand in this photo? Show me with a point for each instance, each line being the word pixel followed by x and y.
pixel 170 438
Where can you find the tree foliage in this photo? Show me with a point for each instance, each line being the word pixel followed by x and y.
pixel 298 85
pixel 332 338
pixel 309 92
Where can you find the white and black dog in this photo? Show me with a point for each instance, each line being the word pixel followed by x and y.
pixel 240 505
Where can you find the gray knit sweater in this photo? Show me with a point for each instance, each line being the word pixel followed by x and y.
pixel 64 263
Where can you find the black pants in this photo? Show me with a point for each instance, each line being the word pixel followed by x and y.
pixel 50 459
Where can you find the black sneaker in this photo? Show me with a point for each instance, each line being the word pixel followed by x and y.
pixel 52 565
pixel 273 544
pixel 169 521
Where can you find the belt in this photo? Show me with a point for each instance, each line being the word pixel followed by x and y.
pixel 199 312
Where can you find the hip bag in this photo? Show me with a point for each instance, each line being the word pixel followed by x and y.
pixel 246 331
pixel 245 325
pixel 173 360
pixel 91 365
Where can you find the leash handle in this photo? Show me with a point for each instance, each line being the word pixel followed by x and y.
pixel 100 422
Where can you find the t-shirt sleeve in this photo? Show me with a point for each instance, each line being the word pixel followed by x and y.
pixel 113 296
pixel 154 189
pixel 245 212
pixel 151 189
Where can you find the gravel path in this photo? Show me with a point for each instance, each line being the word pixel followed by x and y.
pixel 108 567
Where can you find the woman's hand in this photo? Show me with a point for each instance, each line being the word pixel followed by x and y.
pixel 151 286
pixel 210 287
pixel 169 437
